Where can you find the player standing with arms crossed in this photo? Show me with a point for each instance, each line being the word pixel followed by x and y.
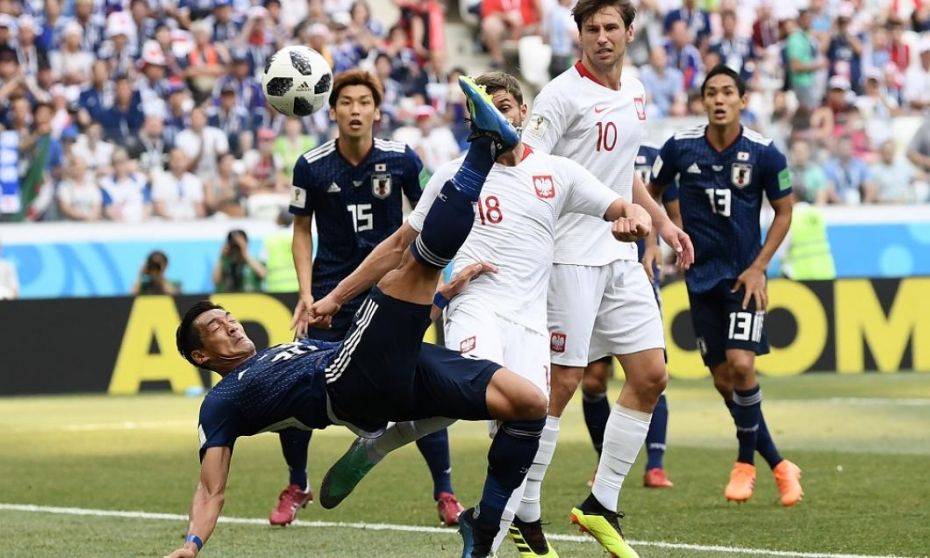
pixel 600 300
pixel 352 185
pixel 723 170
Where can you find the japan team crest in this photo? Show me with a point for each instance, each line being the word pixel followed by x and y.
pixel 545 187
pixel 557 342
pixel 640 104
pixel 381 186
pixel 741 174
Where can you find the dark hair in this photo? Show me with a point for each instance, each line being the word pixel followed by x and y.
pixel 497 81
pixel 723 69
pixel 587 8
pixel 357 77
pixel 156 259
pixel 187 337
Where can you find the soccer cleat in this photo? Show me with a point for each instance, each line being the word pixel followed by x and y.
pixel 449 509
pixel 486 120
pixel 742 482
pixel 476 540
pixel 788 479
pixel 604 525
pixel 530 539
pixel 656 478
pixel 345 474
pixel 291 499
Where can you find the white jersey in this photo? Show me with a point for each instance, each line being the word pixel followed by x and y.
pixel 576 117
pixel 515 224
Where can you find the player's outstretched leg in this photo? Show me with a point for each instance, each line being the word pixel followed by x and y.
pixel 297 494
pixel 365 453
pixel 655 476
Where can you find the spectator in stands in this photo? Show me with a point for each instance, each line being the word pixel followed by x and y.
pixel 174 64
pixel 765 29
pixel 52 25
pixel 116 49
pixel 70 63
pixel 225 27
pixel 221 192
pixel 918 150
pixel 877 107
pixel 151 150
pixel 152 85
pixel 393 91
pixel 178 194
pixel 264 169
pixel 900 51
pixel 917 80
pixel 849 176
pixel 292 145
pixel 178 116
pixel 152 279
pixel 95 99
pixel 682 54
pixel 41 157
pixel 920 17
pixel 12 76
pixel 436 145
pixel 9 280
pixel 403 58
pixel 829 120
pixel 808 180
pixel 28 53
pixel 257 37
pixel 93 149
pixel 19 116
pixel 697 22
pixel 122 122
pixel 665 86
pixel 845 49
pixel 206 61
pixel 202 144
pixel 230 117
pixel 79 197
pixel 803 61
pixel 237 270
pixel 433 82
pixel 247 89
pixel 143 23
pixel 893 178
pixel 126 193
pixel 346 50
pixel 562 35
pixel 91 22
pixel 366 30
pixel 503 19
pixel 736 52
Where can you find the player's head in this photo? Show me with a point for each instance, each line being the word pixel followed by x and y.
pixel 724 96
pixel 211 338
pixel 354 103
pixel 605 28
pixel 505 90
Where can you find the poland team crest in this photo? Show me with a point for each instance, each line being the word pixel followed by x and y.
pixel 741 174
pixel 545 188
pixel 381 186
pixel 640 105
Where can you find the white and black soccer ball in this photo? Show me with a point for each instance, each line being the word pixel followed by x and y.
pixel 297 81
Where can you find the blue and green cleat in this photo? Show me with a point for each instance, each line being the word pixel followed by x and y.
pixel 486 120
pixel 345 474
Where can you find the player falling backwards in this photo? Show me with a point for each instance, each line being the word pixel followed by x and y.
pixel 352 186
pixel 500 316
pixel 382 371
pixel 600 300
pixel 723 170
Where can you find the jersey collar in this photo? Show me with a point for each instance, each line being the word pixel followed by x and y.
pixel 527 151
pixel 585 73
pixel 732 143
pixel 364 159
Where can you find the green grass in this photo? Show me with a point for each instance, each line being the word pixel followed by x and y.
pixel 863 442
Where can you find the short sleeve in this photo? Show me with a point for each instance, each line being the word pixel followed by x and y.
pixel 415 176
pixel 300 189
pixel 664 170
pixel 433 187
pixel 219 425
pixel 670 193
pixel 776 178
pixel 547 123
pixel 586 194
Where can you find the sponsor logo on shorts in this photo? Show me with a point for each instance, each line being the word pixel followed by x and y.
pixel 702 346
pixel 467 344
pixel 557 342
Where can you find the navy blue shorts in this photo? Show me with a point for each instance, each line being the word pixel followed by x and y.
pixel 720 323
pixel 384 372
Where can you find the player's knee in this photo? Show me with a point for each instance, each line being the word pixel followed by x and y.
pixel 594 384
pixel 742 368
pixel 530 404
pixel 649 381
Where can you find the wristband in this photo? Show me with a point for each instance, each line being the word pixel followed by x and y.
pixel 440 301
pixel 192 538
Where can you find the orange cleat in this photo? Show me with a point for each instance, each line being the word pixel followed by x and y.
pixel 788 479
pixel 742 482
pixel 656 478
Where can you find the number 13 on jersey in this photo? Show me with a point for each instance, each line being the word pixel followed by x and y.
pixel 719 200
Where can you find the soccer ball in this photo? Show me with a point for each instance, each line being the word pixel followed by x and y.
pixel 297 81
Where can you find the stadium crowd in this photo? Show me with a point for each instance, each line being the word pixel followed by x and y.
pixel 129 110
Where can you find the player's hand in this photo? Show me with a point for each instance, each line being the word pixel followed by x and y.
pixel 463 278
pixel 652 261
pixel 303 315
pixel 680 243
pixel 753 279
pixel 323 310
pixel 183 553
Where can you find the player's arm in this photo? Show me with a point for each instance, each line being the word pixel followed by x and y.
pixel 416 177
pixel 447 291
pixel 673 209
pixel 302 247
pixel 548 121
pixel 207 502
pixel 589 196
pixel 665 228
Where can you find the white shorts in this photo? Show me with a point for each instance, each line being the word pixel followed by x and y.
pixel 599 311
pixel 474 330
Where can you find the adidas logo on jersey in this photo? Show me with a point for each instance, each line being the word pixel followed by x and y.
pixel 333 189
pixel 694 169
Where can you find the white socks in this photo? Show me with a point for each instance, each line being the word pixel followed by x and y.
pixel 624 436
pixel 400 434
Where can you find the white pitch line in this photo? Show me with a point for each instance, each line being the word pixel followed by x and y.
pixel 420 529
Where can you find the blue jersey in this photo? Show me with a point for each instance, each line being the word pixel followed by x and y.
pixel 280 387
pixel 645 159
pixel 355 206
pixel 721 196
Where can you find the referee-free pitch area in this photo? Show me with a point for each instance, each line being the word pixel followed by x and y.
pixel 113 476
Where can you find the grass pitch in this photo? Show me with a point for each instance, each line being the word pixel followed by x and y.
pixel 863 442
